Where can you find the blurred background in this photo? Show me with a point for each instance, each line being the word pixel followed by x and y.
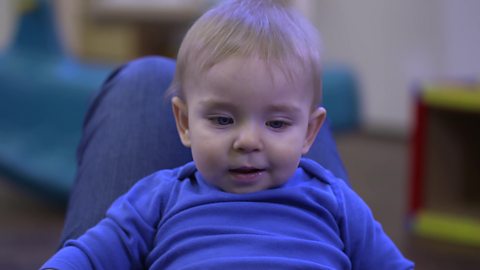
pixel 401 88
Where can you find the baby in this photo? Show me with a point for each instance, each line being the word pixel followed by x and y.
pixel 245 97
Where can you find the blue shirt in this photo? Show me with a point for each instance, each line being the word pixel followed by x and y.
pixel 174 219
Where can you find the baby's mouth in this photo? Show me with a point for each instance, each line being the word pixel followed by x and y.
pixel 246 170
pixel 247 175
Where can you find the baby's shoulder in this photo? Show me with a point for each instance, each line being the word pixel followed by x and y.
pixel 338 188
pixel 317 171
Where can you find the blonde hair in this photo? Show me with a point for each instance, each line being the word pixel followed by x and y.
pixel 268 29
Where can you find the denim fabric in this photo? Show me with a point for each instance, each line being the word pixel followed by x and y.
pixel 129 132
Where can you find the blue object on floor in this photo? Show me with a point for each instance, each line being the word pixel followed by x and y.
pixel 44 94
pixel 340 97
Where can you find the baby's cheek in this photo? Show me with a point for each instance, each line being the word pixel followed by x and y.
pixel 208 153
pixel 285 155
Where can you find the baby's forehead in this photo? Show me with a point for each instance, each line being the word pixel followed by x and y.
pixel 288 69
pixel 249 76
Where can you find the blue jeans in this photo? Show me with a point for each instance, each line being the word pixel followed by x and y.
pixel 129 132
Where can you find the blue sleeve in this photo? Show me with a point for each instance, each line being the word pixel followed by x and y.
pixel 122 239
pixel 366 244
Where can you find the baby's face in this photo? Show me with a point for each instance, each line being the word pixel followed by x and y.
pixel 247 125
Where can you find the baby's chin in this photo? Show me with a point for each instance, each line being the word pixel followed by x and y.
pixel 247 179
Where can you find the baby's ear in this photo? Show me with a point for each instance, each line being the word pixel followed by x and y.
pixel 180 111
pixel 315 122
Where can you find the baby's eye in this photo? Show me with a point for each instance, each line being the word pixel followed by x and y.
pixel 221 120
pixel 277 124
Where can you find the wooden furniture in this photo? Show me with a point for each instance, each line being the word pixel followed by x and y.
pixel 445 171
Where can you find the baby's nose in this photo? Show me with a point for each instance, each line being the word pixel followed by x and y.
pixel 248 139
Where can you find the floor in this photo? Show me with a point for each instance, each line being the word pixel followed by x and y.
pixel 378 169
pixel 29 228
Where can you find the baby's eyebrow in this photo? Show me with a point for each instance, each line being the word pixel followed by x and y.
pixel 271 108
pixel 215 104
pixel 288 108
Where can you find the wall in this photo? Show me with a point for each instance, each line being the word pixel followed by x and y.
pixel 462 24
pixel 394 44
